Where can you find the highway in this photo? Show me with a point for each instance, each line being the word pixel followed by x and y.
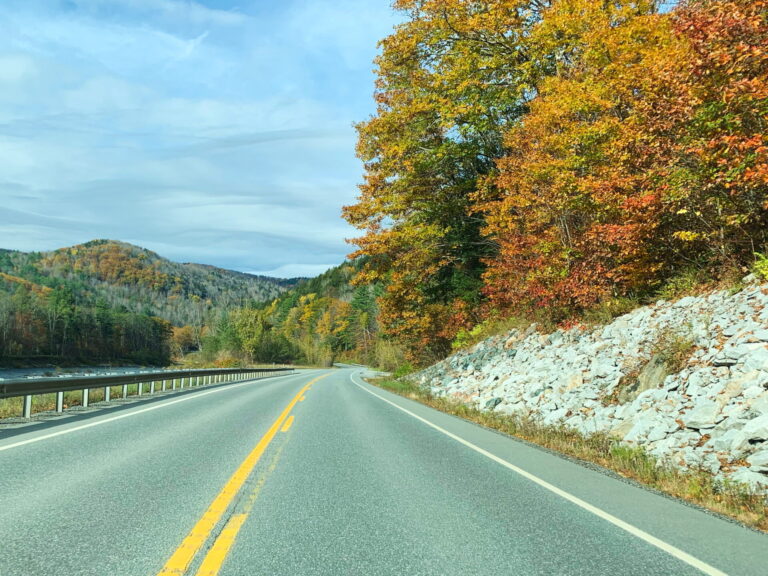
pixel 319 473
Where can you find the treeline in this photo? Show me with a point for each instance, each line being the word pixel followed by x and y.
pixel 322 321
pixel 50 326
pixel 540 158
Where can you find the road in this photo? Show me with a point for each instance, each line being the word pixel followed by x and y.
pixel 318 473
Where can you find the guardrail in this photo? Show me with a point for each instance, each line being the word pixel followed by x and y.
pixel 147 382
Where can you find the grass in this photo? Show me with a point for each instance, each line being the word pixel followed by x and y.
pixel 675 348
pixel 12 407
pixel 696 486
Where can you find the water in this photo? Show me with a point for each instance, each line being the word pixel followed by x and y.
pixel 13 373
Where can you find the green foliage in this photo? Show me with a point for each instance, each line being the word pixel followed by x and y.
pixel 403 370
pixel 54 326
pixel 684 283
pixel 491 326
pixel 760 266
pixel 110 301
pixel 399 386
pixel 318 322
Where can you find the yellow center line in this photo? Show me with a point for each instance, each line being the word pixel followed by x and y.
pixel 215 557
pixel 218 553
pixel 180 560
pixel 287 424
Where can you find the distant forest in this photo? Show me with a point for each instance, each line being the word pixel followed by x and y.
pixel 107 301
pixel 322 320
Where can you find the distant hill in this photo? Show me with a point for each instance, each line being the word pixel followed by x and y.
pixel 130 278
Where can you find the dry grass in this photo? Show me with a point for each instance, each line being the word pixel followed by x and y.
pixel 675 348
pixel 12 407
pixel 698 487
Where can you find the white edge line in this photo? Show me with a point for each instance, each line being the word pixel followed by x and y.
pixel 637 532
pixel 135 412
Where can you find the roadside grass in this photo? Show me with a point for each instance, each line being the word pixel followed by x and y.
pixel 12 407
pixel 697 486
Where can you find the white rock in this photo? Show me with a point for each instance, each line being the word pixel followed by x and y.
pixel 723 392
pixel 722 442
pixel 753 480
pixel 760 335
pixel 756 430
pixel 756 359
pixel 704 415
pixel 760 404
pixel 759 461
pixel 753 392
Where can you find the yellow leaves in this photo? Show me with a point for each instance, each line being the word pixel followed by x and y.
pixel 687 235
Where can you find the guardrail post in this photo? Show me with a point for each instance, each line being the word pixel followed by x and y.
pixel 173 384
pixel 163 390
pixel 125 391
pixel 107 394
pixel 152 387
pixel 182 382
pixel 59 401
pixel 140 388
pixel 26 411
pixel 85 397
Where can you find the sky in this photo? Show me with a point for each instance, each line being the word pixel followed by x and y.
pixel 211 131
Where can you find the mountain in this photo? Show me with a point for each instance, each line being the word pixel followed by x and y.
pixel 130 278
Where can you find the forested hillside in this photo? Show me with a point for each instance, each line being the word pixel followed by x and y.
pixel 111 301
pixel 549 158
pixel 322 320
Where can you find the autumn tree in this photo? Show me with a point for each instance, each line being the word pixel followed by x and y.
pixel 450 79
pixel 577 214
pixel 711 127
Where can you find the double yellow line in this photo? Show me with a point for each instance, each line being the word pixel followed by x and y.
pixel 180 560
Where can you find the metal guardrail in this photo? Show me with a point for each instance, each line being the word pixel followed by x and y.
pixel 160 380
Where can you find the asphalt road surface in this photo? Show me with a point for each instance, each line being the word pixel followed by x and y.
pixel 318 473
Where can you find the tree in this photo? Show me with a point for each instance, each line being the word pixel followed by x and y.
pixel 577 217
pixel 711 126
pixel 450 79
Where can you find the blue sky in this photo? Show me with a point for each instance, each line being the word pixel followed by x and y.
pixel 211 131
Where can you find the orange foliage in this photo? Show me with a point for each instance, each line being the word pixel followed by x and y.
pixel 576 214
pixel 113 263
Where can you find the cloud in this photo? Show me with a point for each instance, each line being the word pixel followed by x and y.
pixel 167 10
pixel 204 131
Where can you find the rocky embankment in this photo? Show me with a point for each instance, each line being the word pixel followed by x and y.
pixel 686 380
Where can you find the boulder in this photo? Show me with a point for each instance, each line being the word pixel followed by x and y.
pixel 704 415
pixel 756 358
pixel 754 480
pixel 754 431
pixel 759 461
pixel 651 376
